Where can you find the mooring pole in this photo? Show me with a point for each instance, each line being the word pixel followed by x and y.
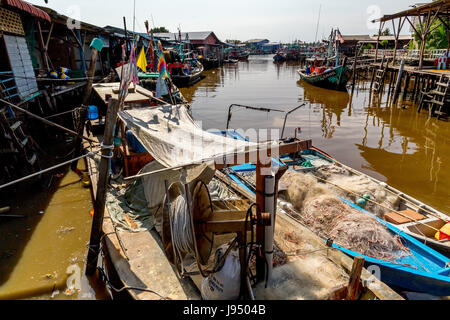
pixel 354 67
pixel 399 81
pixel 96 47
pixel 100 198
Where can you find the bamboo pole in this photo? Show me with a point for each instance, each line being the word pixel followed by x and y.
pixel 100 199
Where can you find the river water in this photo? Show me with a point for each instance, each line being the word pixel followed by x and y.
pixel 392 143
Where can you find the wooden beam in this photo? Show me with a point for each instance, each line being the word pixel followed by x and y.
pixel 354 285
pixel 378 40
pixel 412 25
pixel 424 39
pixel 49 36
pixel 253 156
pixel 44 51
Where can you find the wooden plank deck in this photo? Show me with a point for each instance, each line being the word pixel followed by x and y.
pixel 106 90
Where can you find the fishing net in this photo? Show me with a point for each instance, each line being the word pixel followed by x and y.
pixel 353 187
pixel 328 216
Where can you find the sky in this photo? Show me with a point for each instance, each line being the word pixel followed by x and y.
pixel 276 20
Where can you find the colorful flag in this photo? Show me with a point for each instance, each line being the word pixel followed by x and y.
pixel 162 67
pixel 340 36
pixel 130 73
pixel 142 61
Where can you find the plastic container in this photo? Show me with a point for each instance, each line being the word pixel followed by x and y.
pixel 92 113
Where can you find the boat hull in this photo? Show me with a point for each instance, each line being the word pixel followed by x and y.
pixel 425 270
pixel 402 276
pixel 188 80
pixel 335 79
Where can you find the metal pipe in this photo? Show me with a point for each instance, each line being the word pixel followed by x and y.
pixel 269 203
pixel 248 107
pixel 285 118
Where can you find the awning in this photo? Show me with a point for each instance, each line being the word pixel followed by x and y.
pixel 25 6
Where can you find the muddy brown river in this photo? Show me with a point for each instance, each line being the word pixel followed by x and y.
pixel 392 143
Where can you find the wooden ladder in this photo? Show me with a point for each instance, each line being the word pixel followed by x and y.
pixel 16 147
pixel 379 79
pixel 436 99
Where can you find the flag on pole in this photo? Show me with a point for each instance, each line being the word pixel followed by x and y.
pixel 162 67
pixel 142 61
pixel 341 39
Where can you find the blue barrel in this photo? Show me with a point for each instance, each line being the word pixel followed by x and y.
pixel 92 113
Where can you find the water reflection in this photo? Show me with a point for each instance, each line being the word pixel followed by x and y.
pixel 391 142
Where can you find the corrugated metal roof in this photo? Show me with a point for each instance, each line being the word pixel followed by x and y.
pixel 25 6
pixel 198 35
pixel 256 40
pixel 356 37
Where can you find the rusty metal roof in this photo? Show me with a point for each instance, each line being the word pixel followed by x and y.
pixel 25 6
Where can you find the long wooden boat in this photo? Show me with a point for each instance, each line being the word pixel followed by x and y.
pixel 183 79
pixel 424 270
pixel 280 56
pixel 209 63
pixel 334 78
pixel 422 225
pixel 143 269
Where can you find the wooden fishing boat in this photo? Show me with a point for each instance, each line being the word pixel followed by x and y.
pixel 184 75
pixel 239 53
pixel 209 63
pixel 333 78
pixel 230 61
pixel 147 267
pixel 280 56
pixel 411 216
pixel 423 270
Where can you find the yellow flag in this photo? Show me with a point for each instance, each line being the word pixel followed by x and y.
pixel 142 61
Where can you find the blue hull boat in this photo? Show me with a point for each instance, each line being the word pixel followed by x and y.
pixel 423 270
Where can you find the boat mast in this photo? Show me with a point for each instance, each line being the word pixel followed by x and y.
pixel 330 47
pixel 318 22
pixel 337 47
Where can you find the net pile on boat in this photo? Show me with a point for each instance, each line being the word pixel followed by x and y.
pixel 329 217
pixel 353 186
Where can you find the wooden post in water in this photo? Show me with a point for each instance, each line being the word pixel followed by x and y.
pixel 399 81
pixel 354 67
pixel 100 199
pixel 96 47
pixel 405 88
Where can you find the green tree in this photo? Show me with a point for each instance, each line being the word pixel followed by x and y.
pixel 159 30
pixel 386 32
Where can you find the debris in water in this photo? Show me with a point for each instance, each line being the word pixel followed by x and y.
pixel 54 294
pixel 62 230
pixel 69 292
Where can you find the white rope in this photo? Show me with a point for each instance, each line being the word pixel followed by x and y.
pixel 181 226
pixel 90 154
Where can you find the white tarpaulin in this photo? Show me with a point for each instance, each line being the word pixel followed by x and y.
pixel 173 138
